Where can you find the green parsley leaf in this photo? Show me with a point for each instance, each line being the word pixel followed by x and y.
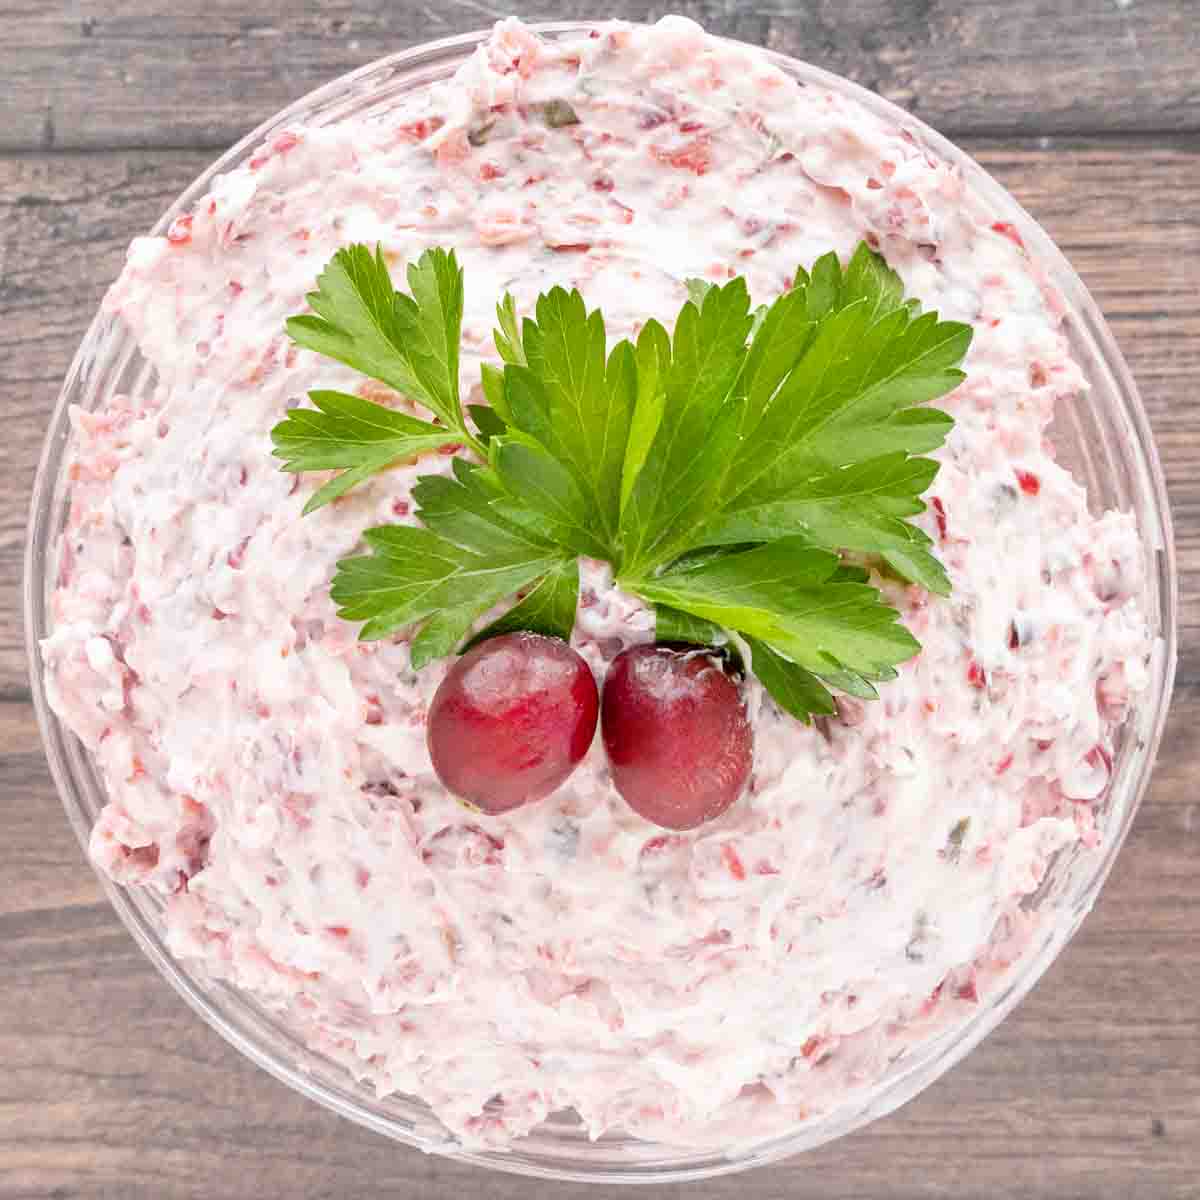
pixel 472 509
pixel 795 690
pixel 487 420
pixel 574 402
pixel 850 573
pixel 356 436
pixel 492 380
pixel 866 277
pixel 445 576
pixel 653 359
pixel 410 342
pixel 697 430
pixel 549 607
pixel 783 594
pixel 509 345
pixel 528 471
pixel 861 507
pixel 415 576
pixel 843 400
pixel 672 625
pixel 831 380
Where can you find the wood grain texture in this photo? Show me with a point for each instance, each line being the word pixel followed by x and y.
pixel 111 1089
pixel 200 73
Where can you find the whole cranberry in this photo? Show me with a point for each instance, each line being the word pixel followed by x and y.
pixel 676 732
pixel 511 720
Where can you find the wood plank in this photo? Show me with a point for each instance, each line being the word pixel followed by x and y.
pixel 1123 210
pixel 200 73
pixel 112 1088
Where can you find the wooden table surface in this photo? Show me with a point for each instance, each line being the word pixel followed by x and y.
pixel 1088 110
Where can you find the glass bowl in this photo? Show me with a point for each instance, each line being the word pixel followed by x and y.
pixel 1104 439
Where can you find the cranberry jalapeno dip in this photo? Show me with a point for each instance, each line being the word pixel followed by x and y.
pixel 269 773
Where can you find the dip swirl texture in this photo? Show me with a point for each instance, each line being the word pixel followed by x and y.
pixel 268 773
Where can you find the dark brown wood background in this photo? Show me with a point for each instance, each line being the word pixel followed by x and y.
pixel 1089 110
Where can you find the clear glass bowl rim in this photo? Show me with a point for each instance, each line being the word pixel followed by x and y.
pixel 617 1159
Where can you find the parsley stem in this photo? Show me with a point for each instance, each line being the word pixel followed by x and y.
pixel 474 443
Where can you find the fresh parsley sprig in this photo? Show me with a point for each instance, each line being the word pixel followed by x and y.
pixel 409 342
pixel 722 469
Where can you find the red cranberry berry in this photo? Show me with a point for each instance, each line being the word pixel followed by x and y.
pixel 676 732
pixel 511 720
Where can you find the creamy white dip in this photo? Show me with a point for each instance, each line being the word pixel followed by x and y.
pixel 269 773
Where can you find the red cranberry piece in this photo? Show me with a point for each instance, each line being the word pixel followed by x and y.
pixel 1029 483
pixel 676 733
pixel 511 720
